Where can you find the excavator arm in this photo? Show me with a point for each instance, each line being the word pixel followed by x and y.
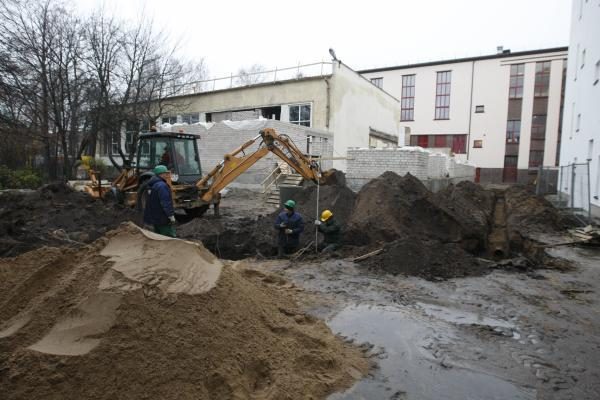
pixel 237 162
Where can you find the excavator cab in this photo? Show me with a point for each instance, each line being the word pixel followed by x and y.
pixel 176 151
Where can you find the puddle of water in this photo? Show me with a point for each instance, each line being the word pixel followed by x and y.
pixel 461 317
pixel 410 371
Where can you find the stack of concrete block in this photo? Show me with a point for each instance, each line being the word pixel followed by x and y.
pixel 458 170
pixel 438 166
pixel 366 164
pixel 436 170
pixel 218 139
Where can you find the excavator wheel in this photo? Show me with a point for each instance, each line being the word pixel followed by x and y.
pixel 196 212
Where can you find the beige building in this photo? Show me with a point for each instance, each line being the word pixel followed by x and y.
pixel 326 97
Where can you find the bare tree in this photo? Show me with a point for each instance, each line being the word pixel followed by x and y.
pixel 251 75
pixel 68 85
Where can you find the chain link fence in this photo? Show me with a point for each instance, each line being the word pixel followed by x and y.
pixel 573 190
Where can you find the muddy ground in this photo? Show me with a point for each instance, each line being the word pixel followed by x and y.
pixel 476 309
pixel 504 335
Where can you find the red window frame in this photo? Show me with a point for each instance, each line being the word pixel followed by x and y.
pixel 423 141
pixel 407 100
pixel 459 144
pixel 440 141
pixel 442 94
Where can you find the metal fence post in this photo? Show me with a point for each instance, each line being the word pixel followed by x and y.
pixel 560 187
pixel 538 186
pixel 589 186
pixel 572 188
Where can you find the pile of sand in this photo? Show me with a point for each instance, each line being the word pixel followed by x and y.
pixel 54 215
pixel 137 316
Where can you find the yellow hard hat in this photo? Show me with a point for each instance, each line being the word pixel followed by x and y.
pixel 325 215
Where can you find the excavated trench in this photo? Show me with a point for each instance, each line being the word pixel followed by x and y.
pixel 498 246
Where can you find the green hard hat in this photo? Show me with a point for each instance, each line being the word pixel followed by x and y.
pixel 290 204
pixel 160 169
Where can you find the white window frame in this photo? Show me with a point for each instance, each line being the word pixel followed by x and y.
pixel 300 120
pixel 114 144
pixel 189 117
pixel 378 81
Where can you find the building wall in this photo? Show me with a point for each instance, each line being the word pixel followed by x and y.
pixel 481 82
pixel 310 90
pixel 357 106
pixel 581 141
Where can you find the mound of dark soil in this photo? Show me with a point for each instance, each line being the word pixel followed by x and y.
pixel 54 215
pixel 392 207
pixel 472 207
pixel 528 213
pixel 428 259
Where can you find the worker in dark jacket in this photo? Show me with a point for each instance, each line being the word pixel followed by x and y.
pixel 159 210
pixel 290 225
pixel 331 230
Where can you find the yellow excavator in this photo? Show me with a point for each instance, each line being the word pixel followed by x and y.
pixel 191 192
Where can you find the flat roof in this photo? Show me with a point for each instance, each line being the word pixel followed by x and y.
pixel 468 59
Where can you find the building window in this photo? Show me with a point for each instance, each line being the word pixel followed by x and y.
pixel 114 144
pixel 517 73
pixel 582 58
pixel 542 78
pixel 377 82
pixel 169 120
pixel 513 131
pixel 300 114
pixel 538 126
pixel 479 109
pixel 442 95
pixel 408 98
pixel 578 123
pixel 597 73
pixel 190 118
pixel 536 158
pixel 440 141
pixel 477 144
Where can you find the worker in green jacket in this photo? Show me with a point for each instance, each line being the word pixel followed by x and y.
pixel 331 230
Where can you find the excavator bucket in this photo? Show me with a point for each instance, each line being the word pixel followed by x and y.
pixel 332 177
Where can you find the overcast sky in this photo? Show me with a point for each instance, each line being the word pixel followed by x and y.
pixel 230 34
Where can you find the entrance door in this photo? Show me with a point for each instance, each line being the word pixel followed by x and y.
pixel 510 169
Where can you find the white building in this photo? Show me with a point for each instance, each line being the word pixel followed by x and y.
pixel 501 112
pixel 328 97
pixel 581 123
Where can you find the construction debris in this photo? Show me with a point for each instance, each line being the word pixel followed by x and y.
pixel 136 315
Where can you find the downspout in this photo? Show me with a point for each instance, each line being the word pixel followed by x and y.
pixel 470 108
pixel 327 104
